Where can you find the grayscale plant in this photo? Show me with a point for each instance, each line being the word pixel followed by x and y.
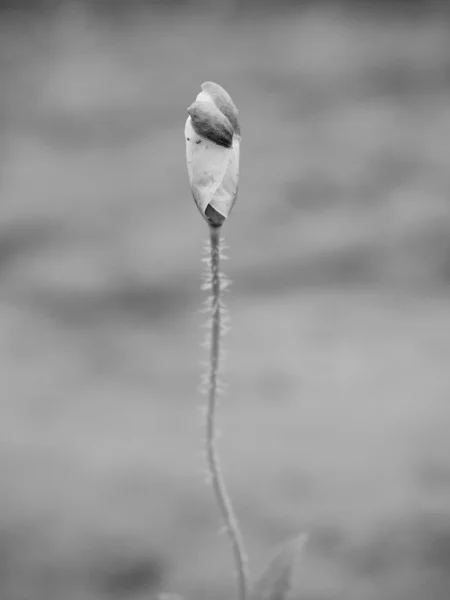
pixel 213 139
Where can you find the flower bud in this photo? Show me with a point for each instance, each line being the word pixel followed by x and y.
pixel 213 139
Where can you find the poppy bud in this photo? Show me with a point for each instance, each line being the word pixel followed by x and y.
pixel 213 139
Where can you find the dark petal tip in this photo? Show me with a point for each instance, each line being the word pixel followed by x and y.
pixel 214 218
pixel 209 122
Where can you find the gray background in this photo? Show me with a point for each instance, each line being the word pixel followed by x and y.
pixel 337 416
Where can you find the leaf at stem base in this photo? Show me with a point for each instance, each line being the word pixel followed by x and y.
pixel 276 581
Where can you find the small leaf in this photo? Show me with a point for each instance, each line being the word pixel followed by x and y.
pixel 276 581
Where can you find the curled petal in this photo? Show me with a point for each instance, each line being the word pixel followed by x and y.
pixel 226 193
pixel 224 103
pixel 209 122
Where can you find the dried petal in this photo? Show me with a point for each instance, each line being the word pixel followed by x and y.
pixel 210 123
pixel 224 103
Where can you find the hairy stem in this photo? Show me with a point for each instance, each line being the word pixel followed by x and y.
pixel 215 473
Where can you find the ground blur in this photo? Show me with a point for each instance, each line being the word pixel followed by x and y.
pixel 336 420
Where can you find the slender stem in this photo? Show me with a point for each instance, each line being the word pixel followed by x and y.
pixel 218 484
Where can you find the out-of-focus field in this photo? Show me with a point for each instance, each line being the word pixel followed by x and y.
pixel 337 418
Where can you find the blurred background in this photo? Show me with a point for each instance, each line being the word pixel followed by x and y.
pixel 337 418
